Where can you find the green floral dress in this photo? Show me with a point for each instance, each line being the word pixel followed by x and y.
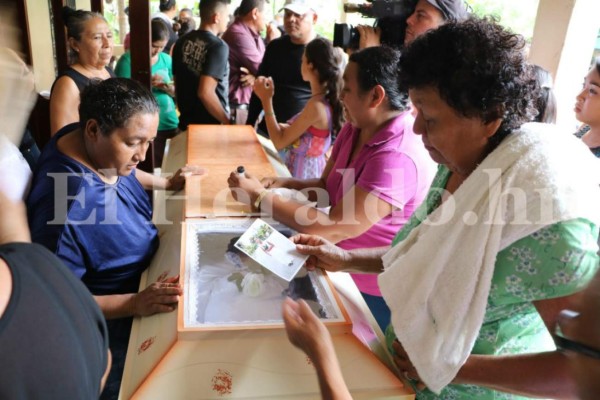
pixel 555 261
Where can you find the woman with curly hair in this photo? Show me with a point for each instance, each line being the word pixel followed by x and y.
pixel 306 137
pixel 587 109
pixel 504 240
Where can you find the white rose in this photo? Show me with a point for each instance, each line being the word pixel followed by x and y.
pixel 253 285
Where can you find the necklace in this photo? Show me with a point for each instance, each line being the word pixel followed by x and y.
pixel 318 94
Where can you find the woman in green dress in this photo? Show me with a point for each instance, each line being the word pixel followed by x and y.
pixel 163 88
pixel 504 240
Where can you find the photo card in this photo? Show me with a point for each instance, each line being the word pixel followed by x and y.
pixel 271 249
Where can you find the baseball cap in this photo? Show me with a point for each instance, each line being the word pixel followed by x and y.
pixel 300 7
pixel 452 10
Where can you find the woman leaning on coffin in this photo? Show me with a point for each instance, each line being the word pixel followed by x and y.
pixel 504 240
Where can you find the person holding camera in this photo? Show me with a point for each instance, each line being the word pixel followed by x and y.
pixel 428 15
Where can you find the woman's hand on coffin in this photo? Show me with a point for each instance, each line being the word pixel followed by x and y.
pixel 177 181
pixel 244 188
pixel 323 253
pixel 159 297
pixel 407 369
pixel 306 331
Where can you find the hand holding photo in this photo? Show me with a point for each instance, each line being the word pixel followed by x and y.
pixel 271 249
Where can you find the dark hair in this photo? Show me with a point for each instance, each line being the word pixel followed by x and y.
pixel 327 61
pixel 379 66
pixel 112 102
pixel 159 30
pixel 546 101
pixel 246 6
pixel 186 10
pixel 186 27
pixel 75 21
pixel 209 7
pixel 479 69
pixel 597 62
pixel 166 5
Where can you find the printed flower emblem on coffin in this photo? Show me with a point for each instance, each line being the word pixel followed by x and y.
pixel 224 289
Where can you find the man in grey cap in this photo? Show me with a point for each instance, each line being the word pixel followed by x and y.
pixel 428 15
pixel 282 62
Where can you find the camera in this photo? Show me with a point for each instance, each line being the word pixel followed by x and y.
pixel 390 17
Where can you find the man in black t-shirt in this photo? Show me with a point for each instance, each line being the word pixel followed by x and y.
pixel 282 62
pixel 201 68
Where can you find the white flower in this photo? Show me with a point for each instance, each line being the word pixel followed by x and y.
pixel 253 285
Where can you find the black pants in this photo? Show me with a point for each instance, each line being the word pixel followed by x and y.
pixel 159 145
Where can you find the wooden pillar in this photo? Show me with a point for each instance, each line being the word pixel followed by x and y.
pixel 60 36
pixel 24 37
pixel 139 17
pixel 563 42
pixel 97 6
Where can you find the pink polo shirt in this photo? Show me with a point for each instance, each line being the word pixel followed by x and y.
pixel 396 167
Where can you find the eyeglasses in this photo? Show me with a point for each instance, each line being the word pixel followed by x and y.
pixel 564 344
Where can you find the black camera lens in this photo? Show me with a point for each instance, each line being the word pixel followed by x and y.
pixel 345 36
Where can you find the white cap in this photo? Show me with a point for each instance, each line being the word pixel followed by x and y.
pixel 300 7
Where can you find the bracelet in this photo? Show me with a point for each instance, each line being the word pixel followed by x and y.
pixel 260 198
pixel 269 114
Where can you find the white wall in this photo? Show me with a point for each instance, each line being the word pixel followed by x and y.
pixel 42 52
pixel 563 43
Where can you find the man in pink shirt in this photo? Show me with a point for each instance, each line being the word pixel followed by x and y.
pixel 246 50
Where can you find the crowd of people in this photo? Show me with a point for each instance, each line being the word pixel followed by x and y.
pixel 434 174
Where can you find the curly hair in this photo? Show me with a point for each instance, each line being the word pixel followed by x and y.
pixel 478 68
pixel 327 61
pixel 113 102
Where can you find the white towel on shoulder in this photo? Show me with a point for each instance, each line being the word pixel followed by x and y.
pixel 437 280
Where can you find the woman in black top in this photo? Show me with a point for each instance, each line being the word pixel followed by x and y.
pixel 91 46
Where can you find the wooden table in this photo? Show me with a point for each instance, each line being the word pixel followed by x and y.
pixel 162 365
pixel 221 149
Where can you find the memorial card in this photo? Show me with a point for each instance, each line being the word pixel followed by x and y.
pixel 271 249
pixel 224 287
